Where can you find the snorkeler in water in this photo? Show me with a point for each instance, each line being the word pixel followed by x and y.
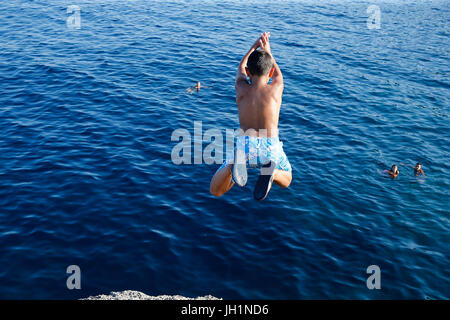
pixel 393 173
pixel 417 169
pixel 197 87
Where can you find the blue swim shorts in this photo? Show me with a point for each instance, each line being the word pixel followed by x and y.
pixel 259 150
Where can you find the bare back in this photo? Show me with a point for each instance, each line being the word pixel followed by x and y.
pixel 259 107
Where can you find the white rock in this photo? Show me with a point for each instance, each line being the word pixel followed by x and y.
pixel 136 295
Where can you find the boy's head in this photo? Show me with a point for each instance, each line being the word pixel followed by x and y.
pixel 394 168
pixel 260 63
pixel 418 166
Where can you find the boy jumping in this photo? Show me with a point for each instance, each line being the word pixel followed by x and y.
pixel 259 108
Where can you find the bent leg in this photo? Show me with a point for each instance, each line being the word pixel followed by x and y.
pixel 221 182
pixel 283 173
pixel 282 178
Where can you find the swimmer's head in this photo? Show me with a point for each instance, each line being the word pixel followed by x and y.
pixel 260 63
pixel 394 169
pixel 418 166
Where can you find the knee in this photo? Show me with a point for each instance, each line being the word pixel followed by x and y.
pixel 289 180
pixel 283 179
pixel 286 182
pixel 216 192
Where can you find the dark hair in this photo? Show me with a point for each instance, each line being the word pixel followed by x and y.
pixel 418 164
pixel 260 63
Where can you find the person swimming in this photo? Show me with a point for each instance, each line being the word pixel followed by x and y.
pixel 417 169
pixel 197 87
pixel 259 104
pixel 393 173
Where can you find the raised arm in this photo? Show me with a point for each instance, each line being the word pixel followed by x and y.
pixel 277 77
pixel 241 75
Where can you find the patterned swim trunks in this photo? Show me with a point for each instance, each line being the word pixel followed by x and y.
pixel 259 150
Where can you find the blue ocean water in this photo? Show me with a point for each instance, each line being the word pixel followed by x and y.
pixel 86 177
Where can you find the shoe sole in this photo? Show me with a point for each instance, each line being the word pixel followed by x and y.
pixel 239 168
pixel 264 182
